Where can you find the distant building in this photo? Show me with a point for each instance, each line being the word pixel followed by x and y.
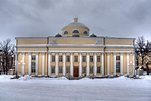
pixel 150 56
pixel 76 53
pixel 1 68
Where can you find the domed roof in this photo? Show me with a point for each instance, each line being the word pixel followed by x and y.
pixel 75 28
pixel 93 35
pixel 58 35
pixel 76 24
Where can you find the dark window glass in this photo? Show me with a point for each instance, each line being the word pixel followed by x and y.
pixel 65 32
pixel 117 67
pixel 98 58
pixel 84 69
pixel 91 69
pixel 68 59
pixel 117 57
pixel 85 32
pixel 67 69
pixel 75 31
pixel 98 70
pixel 91 58
pixel 60 58
pixel 53 58
pixel 60 69
pixel 52 69
pixel 84 58
pixel 33 57
pixel 75 58
pixel 33 67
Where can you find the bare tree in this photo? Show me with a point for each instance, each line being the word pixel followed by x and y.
pixel 7 53
pixel 141 50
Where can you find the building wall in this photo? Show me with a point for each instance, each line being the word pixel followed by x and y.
pixel 26 46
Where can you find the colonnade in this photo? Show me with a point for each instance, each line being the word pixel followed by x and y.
pixel 102 63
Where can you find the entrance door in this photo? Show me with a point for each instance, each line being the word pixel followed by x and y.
pixel 76 71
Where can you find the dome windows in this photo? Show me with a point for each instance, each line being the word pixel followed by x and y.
pixel 75 31
pixel 66 32
pixel 85 32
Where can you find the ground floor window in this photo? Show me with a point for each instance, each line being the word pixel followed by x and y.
pixel 98 69
pixel 117 67
pixel 83 69
pixel 67 69
pixel 53 69
pixel 60 69
pixel 33 67
pixel 91 69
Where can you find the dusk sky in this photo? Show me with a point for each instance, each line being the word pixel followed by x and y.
pixel 112 18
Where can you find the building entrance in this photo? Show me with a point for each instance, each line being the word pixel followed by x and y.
pixel 76 71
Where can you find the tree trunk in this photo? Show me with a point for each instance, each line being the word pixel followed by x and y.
pixel 147 69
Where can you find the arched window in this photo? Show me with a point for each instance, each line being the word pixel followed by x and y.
pixel 75 31
pixel 85 32
pixel 65 32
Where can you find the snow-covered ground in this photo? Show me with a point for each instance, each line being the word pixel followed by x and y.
pixel 61 89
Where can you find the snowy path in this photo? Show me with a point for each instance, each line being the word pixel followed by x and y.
pixel 39 89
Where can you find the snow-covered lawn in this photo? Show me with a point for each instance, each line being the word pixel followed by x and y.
pixel 61 89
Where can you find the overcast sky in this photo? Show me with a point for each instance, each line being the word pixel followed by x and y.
pixel 113 18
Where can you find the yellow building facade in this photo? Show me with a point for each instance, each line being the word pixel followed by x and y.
pixel 75 53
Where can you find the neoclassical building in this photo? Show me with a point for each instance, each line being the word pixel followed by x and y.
pixel 75 53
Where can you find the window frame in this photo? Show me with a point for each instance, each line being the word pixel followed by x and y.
pixel 91 58
pixel 83 58
pixel 53 58
pixel 75 58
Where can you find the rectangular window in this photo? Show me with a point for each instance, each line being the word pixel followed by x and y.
pixel 68 59
pixel 60 58
pixel 84 58
pixel 75 58
pixel 53 58
pixel 117 67
pixel 33 67
pixel 98 59
pixel 83 69
pixel 68 70
pixel 98 70
pixel 117 57
pixel 60 69
pixel 91 58
pixel 91 69
pixel 52 69
pixel 33 57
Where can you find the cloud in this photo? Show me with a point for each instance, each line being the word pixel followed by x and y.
pixel 118 18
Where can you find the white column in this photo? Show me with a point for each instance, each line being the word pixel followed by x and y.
pixel 133 63
pixel 29 63
pixel 49 64
pixel 114 63
pixel 56 64
pixel 16 62
pixel 23 62
pixel 95 64
pixel 121 63
pixel 71 64
pixel 43 63
pixel 36 64
pixel 88 66
pixel 64 64
pixel 108 64
pixel 80 66
pixel 102 64
pixel 128 61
